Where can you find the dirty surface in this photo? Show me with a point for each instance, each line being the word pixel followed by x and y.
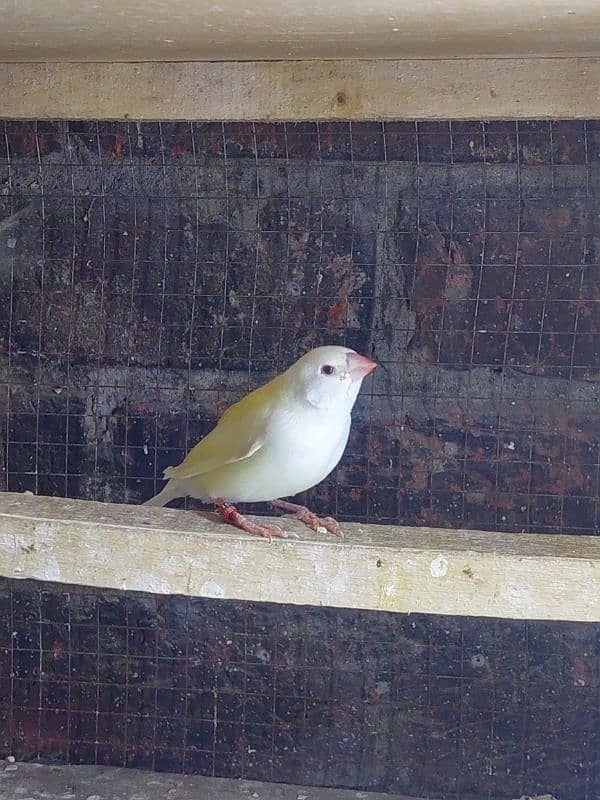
pixel 150 274
pixel 415 704
pixel 40 782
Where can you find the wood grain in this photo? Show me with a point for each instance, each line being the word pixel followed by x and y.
pixel 181 30
pixel 383 568
pixel 459 88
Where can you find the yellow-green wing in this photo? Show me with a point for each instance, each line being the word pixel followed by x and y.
pixel 238 435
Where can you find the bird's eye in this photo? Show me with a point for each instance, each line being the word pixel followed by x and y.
pixel 327 369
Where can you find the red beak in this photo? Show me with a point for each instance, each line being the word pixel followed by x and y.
pixel 359 366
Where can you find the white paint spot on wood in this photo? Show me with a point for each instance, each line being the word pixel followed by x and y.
pixel 52 568
pixel 439 567
pixel 212 589
pixel 155 586
pixel 558 586
pixel 47 529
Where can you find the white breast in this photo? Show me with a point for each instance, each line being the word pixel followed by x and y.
pixel 298 453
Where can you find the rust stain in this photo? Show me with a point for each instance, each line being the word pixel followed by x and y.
pixel 419 477
pixel 119 145
pixel 337 312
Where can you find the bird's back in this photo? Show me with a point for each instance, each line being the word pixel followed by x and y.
pixel 237 435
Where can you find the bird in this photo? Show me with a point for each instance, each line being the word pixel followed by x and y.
pixel 279 440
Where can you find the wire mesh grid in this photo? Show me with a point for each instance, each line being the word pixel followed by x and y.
pixel 427 706
pixel 153 273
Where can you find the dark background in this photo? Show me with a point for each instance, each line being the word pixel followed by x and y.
pixel 151 273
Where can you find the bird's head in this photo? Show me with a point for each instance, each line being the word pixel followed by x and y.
pixel 330 377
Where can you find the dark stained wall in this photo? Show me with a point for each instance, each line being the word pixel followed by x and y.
pixel 149 275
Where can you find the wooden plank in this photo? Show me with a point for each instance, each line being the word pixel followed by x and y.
pixel 383 568
pixel 184 30
pixel 479 88
pixel 84 782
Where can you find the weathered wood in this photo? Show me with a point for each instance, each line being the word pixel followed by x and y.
pixel 182 30
pixel 384 568
pixel 463 88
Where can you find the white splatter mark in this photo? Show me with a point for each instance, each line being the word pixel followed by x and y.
pixel 518 597
pixel 47 529
pixel 390 590
pixel 51 568
pixel 439 567
pixel 212 589
pixel 154 586
pixel 263 654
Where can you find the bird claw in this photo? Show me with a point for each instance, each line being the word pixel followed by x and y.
pixel 309 518
pixel 330 524
pixel 231 515
pixel 270 531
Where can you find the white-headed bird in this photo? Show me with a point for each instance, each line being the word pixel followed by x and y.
pixel 279 440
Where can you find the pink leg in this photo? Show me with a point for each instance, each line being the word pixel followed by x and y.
pixel 309 518
pixel 231 515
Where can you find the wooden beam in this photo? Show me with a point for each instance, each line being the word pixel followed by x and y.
pixel 382 568
pixel 188 30
pixel 474 88
pixel 56 782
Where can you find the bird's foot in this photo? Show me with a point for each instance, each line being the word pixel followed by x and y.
pixel 309 518
pixel 231 515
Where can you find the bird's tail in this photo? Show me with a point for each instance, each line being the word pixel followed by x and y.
pixel 168 493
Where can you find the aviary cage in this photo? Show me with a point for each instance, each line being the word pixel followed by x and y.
pixel 151 272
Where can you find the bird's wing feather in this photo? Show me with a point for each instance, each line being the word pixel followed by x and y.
pixel 238 435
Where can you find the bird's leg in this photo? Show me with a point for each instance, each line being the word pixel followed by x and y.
pixel 231 515
pixel 309 518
